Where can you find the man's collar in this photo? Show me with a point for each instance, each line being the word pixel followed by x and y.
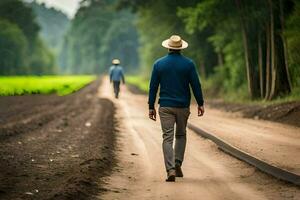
pixel 174 53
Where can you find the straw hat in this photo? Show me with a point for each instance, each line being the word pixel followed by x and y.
pixel 175 42
pixel 116 61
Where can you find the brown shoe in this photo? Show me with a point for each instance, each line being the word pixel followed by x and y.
pixel 171 175
pixel 178 171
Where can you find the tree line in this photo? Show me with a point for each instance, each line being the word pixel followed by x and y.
pixel 239 45
pixel 22 51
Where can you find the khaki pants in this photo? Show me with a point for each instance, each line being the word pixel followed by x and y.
pixel 169 117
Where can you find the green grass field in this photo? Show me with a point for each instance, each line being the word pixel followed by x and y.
pixel 61 85
pixel 139 82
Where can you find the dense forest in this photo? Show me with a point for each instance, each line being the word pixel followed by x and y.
pixel 99 33
pixel 239 45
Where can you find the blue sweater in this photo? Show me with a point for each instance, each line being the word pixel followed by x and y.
pixel 174 74
pixel 116 73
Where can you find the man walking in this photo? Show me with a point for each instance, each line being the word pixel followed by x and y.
pixel 174 74
pixel 116 74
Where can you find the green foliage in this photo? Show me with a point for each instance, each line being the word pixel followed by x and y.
pixel 140 82
pixel 61 85
pixel 18 13
pixel 21 50
pixel 225 39
pixel 293 39
pixel 157 21
pixel 42 60
pixel 13 48
pixel 220 19
pixel 228 80
pixel 230 20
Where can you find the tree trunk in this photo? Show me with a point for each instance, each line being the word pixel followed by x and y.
pixel 246 50
pixel 268 68
pixel 260 67
pixel 285 49
pixel 202 69
pixel 220 59
pixel 273 54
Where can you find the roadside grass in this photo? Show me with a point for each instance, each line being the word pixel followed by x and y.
pixel 241 96
pixel 61 85
pixel 212 91
pixel 138 81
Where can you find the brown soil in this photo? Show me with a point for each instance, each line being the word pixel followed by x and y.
pixel 287 113
pixel 56 147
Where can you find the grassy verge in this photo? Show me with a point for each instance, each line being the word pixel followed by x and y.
pixel 61 85
pixel 138 81
pixel 212 90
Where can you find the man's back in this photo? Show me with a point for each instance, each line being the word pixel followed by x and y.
pixel 116 73
pixel 174 73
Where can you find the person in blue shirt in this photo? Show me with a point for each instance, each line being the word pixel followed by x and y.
pixel 116 75
pixel 174 74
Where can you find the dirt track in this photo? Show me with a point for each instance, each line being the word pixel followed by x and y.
pixel 55 147
pixel 287 113
pixel 209 173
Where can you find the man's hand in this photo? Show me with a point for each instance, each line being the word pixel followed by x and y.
pixel 200 111
pixel 152 114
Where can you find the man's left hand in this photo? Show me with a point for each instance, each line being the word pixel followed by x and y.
pixel 200 111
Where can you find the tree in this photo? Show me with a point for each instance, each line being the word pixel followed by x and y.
pixel 292 34
pixel 261 25
pixel 22 51
pixel 19 13
pixel 13 47
pixel 43 60
pixel 157 21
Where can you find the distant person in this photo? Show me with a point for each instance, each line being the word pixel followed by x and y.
pixel 116 74
pixel 174 73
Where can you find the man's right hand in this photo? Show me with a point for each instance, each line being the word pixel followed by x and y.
pixel 200 111
pixel 152 114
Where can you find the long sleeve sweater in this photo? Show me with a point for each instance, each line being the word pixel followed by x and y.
pixel 174 74
pixel 116 73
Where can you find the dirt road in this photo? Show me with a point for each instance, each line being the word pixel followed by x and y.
pixel 274 143
pixel 209 173
pixel 90 146
pixel 55 147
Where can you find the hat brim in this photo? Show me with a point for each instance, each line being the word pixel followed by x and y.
pixel 165 44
